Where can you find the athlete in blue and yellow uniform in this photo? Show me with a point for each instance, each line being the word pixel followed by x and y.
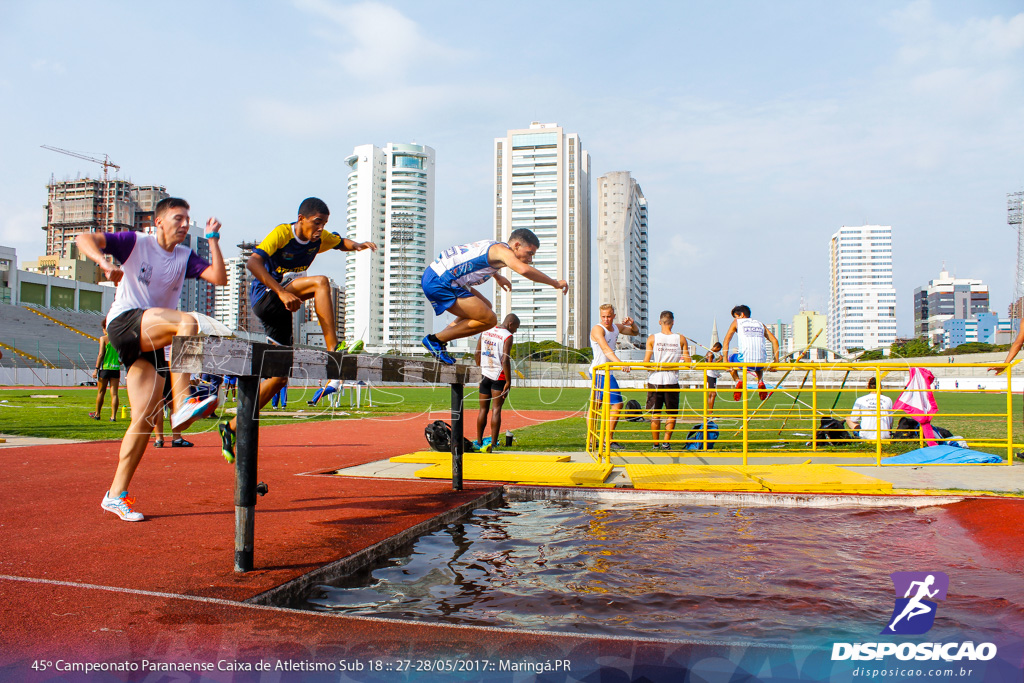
pixel 275 293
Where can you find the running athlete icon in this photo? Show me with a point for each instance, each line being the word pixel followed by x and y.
pixel 915 607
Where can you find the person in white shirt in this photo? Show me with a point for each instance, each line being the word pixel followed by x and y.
pixel 602 341
pixel 663 384
pixel 714 355
pixel 494 356
pixel 750 334
pixel 863 419
pixel 144 319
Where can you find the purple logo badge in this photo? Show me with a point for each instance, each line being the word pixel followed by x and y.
pixel 916 592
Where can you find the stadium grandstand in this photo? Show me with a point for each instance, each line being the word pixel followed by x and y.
pixel 49 338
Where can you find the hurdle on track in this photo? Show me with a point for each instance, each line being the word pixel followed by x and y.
pixel 253 361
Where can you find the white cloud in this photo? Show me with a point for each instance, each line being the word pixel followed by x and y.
pixel 376 40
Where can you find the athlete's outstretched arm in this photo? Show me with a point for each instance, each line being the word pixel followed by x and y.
pixel 499 252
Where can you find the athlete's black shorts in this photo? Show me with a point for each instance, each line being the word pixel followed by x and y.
pixel 108 374
pixel 712 382
pixel 489 387
pixel 125 333
pixel 658 396
pixel 276 319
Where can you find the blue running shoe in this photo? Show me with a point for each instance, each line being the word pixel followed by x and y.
pixel 438 350
pixel 486 441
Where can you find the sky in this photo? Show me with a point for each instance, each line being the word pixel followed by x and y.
pixel 756 130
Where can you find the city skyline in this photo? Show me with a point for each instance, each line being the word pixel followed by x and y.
pixel 751 151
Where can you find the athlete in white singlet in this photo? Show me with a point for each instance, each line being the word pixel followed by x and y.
pixel 448 285
pixel 663 383
pixel 494 356
pixel 750 334
pixel 602 341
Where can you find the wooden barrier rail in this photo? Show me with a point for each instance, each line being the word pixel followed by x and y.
pixel 253 361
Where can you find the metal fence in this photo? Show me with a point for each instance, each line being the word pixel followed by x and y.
pixel 784 418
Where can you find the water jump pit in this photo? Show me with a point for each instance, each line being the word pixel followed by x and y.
pixel 796 571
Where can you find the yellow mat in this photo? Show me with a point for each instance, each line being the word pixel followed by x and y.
pixel 673 477
pixel 776 478
pixel 544 473
pixel 813 479
pixel 428 457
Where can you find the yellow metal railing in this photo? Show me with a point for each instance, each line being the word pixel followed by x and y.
pixel 787 422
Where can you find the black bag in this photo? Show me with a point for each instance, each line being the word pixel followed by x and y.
pixel 833 432
pixel 633 411
pixel 439 436
pixel 909 429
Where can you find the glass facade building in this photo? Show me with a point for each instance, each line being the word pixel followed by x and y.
pixel 391 203
pixel 542 182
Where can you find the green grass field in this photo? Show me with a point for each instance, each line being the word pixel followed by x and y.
pixel 63 413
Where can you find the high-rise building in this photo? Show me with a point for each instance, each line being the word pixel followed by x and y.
pixel 228 301
pixel 312 332
pixel 946 298
pixel 391 203
pixel 87 205
pixel 542 182
pixel 622 251
pixel 196 294
pixel 862 300
pixel 807 324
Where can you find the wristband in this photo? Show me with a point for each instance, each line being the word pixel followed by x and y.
pixel 212 235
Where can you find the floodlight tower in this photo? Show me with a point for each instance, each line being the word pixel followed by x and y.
pixel 1014 214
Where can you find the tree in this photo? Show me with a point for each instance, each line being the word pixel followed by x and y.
pixel 911 348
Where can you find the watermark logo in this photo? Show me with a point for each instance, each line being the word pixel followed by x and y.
pixel 914 612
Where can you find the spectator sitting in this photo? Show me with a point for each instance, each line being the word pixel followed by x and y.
pixel 862 419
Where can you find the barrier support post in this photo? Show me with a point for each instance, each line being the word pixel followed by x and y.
pixel 458 432
pixel 246 450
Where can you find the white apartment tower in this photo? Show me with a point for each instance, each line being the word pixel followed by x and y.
pixel 227 303
pixel 862 300
pixel 391 203
pixel 622 250
pixel 542 182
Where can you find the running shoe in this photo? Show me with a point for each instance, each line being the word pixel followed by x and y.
pixel 761 390
pixel 227 442
pixel 121 506
pixel 738 395
pixel 94 416
pixel 159 443
pixel 192 408
pixel 477 446
pixel 486 448
pixel 181 443
pixel 485 441
pixel 342 345
pixel 438 350
pixel 357 346
pixel 616 446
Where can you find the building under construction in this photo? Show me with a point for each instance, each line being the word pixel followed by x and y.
pixel 88 205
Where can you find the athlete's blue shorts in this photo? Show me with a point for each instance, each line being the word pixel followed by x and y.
pixel 738 358
pixel 440 295
pixel 614 395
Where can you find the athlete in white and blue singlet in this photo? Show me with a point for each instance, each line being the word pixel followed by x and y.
pixel 448 284
pixel 750 334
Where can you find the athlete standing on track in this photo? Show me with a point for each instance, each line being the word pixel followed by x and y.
pixel 663 384
pixel 494 356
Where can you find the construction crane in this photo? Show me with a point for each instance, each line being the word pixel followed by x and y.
pixel 105 162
